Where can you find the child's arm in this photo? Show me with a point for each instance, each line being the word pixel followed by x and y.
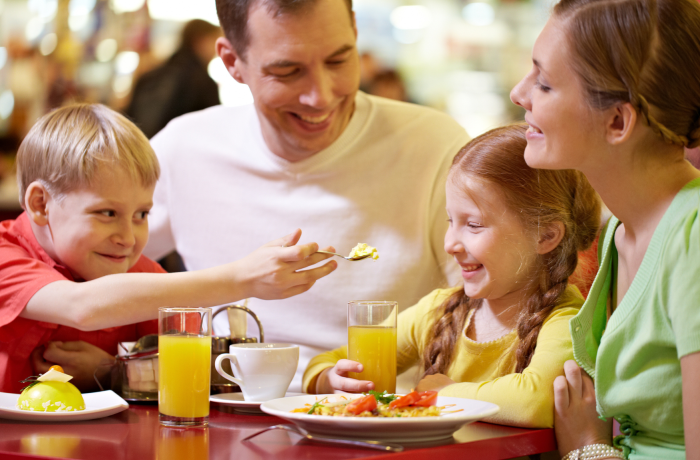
pixel 527 399
pixel 274 271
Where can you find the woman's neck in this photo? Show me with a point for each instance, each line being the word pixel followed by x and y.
pixel 638 187
pixel 494 318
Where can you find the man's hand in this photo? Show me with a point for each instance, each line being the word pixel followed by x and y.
pixel 79 359
pixel 576 421
pixel 276 270
pixel 435 382
pixel 336 379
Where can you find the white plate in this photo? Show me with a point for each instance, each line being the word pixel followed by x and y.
pixel 239 404
pixel 409 429
pixel 97 405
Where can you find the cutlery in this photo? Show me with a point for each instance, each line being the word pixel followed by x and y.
pixel 347 442
pixel 346 258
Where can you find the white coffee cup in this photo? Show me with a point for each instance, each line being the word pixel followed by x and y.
pixel 262 370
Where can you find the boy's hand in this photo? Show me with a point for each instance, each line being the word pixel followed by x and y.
pixel 79 359
pixel 576 421
pixel 275 270
pixel 336 379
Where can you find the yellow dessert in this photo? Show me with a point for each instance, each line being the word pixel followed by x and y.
pixel 51 392
pixel 363 249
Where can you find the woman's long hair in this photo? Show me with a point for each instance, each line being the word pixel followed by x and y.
pixel 539 198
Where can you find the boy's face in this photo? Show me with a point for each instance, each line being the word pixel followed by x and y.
pixel 102 229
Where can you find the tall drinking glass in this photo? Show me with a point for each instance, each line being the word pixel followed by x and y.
pixel 372 342
pixel 184 366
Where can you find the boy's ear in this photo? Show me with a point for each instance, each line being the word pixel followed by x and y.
pixel 36 200
pixel 230 58
pixel 550 237
pixel 620 123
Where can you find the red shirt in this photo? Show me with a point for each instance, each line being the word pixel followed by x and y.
pixel 25 268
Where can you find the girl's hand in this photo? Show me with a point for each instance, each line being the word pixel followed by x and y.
pixel 576 421
pixel 336 379
pixel 435 382
pixel 276 270
pixel 79 359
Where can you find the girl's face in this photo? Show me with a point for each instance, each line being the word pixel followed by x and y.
pixel 563 128
pixel 495 252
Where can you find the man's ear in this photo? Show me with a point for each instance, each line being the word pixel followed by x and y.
pixel 550 237
pixel 36 200
pixel 620 123
pixel 230 57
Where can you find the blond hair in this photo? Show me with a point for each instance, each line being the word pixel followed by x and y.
pixel 645 52
pixel 64 149
pixel 539 198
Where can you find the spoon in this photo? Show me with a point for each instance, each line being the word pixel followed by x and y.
pixel 346 258
pixel 328 440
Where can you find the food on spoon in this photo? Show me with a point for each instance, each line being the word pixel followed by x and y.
pixel 363 249
pixel 377 404
pixel 51 392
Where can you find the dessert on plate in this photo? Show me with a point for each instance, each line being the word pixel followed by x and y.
pixel 51 392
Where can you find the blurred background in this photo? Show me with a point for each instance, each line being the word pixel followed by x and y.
pixel 154 60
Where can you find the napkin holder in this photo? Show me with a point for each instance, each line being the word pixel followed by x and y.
pixel 221 344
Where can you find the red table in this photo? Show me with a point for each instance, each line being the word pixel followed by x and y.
pixel 136 434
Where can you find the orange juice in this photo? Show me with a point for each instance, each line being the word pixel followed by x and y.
pixel 179 444
pixel 184 368
pixel 375 348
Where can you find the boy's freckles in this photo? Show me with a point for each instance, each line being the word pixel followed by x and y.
pixel 101 229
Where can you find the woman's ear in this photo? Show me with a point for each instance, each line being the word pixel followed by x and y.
pixel 36 200
pixel 550 237
pixel 620 123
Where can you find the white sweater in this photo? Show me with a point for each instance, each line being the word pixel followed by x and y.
pixel 222 194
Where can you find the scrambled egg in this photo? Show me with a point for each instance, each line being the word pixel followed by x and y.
pixel 363 249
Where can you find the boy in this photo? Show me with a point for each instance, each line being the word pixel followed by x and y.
pixel 73 282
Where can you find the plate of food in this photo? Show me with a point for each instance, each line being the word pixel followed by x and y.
pixel 239 404
pixel 51 397
pixel 415 417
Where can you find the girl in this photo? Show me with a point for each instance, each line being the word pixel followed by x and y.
pixel 615 93
pixel 503 334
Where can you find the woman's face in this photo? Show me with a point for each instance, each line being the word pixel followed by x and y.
pixel 564 131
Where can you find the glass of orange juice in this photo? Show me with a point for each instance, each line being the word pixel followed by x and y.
pixel 372 341
pixel 184 366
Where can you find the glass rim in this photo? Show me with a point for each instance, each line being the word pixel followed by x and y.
pixel 373 302
pixel 185 309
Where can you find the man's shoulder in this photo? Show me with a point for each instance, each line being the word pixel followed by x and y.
pixel 407 113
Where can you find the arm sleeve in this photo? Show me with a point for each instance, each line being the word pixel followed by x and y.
pixel 161 241
pixel 527 399
pixel 320 363
pixel 682 278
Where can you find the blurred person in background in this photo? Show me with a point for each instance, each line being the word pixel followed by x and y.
pixel 388 84
pixel 179 86
pixel 312 152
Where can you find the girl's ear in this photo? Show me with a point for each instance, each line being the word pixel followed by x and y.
pixel 36 200
pixel 550 237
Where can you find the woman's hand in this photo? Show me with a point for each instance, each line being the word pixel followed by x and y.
pixel 277 269
pixel 79 359
pixel 576 421
pixel 336 379
pixel 435 382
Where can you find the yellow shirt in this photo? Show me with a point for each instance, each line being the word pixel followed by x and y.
pixel 486 370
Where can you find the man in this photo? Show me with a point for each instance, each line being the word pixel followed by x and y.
pixel 312 152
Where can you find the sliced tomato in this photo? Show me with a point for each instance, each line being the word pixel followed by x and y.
pixel 362 404
pixel 406 400
pixel 426 398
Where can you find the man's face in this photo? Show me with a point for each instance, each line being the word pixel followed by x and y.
pixel 303 70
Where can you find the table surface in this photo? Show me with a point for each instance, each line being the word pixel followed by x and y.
pixel 136 434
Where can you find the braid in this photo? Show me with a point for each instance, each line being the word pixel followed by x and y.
pixel 665 133
pixel 539 306
pixel 694 135
pixel 446 330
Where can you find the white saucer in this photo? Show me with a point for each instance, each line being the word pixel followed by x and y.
pixel 239 404
pixel 97 405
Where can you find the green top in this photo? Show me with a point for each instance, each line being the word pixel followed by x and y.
pixel 635 357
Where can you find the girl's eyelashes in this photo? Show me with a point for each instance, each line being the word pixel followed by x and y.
pixel 142 215
pixel 474 225
pixel 108 212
